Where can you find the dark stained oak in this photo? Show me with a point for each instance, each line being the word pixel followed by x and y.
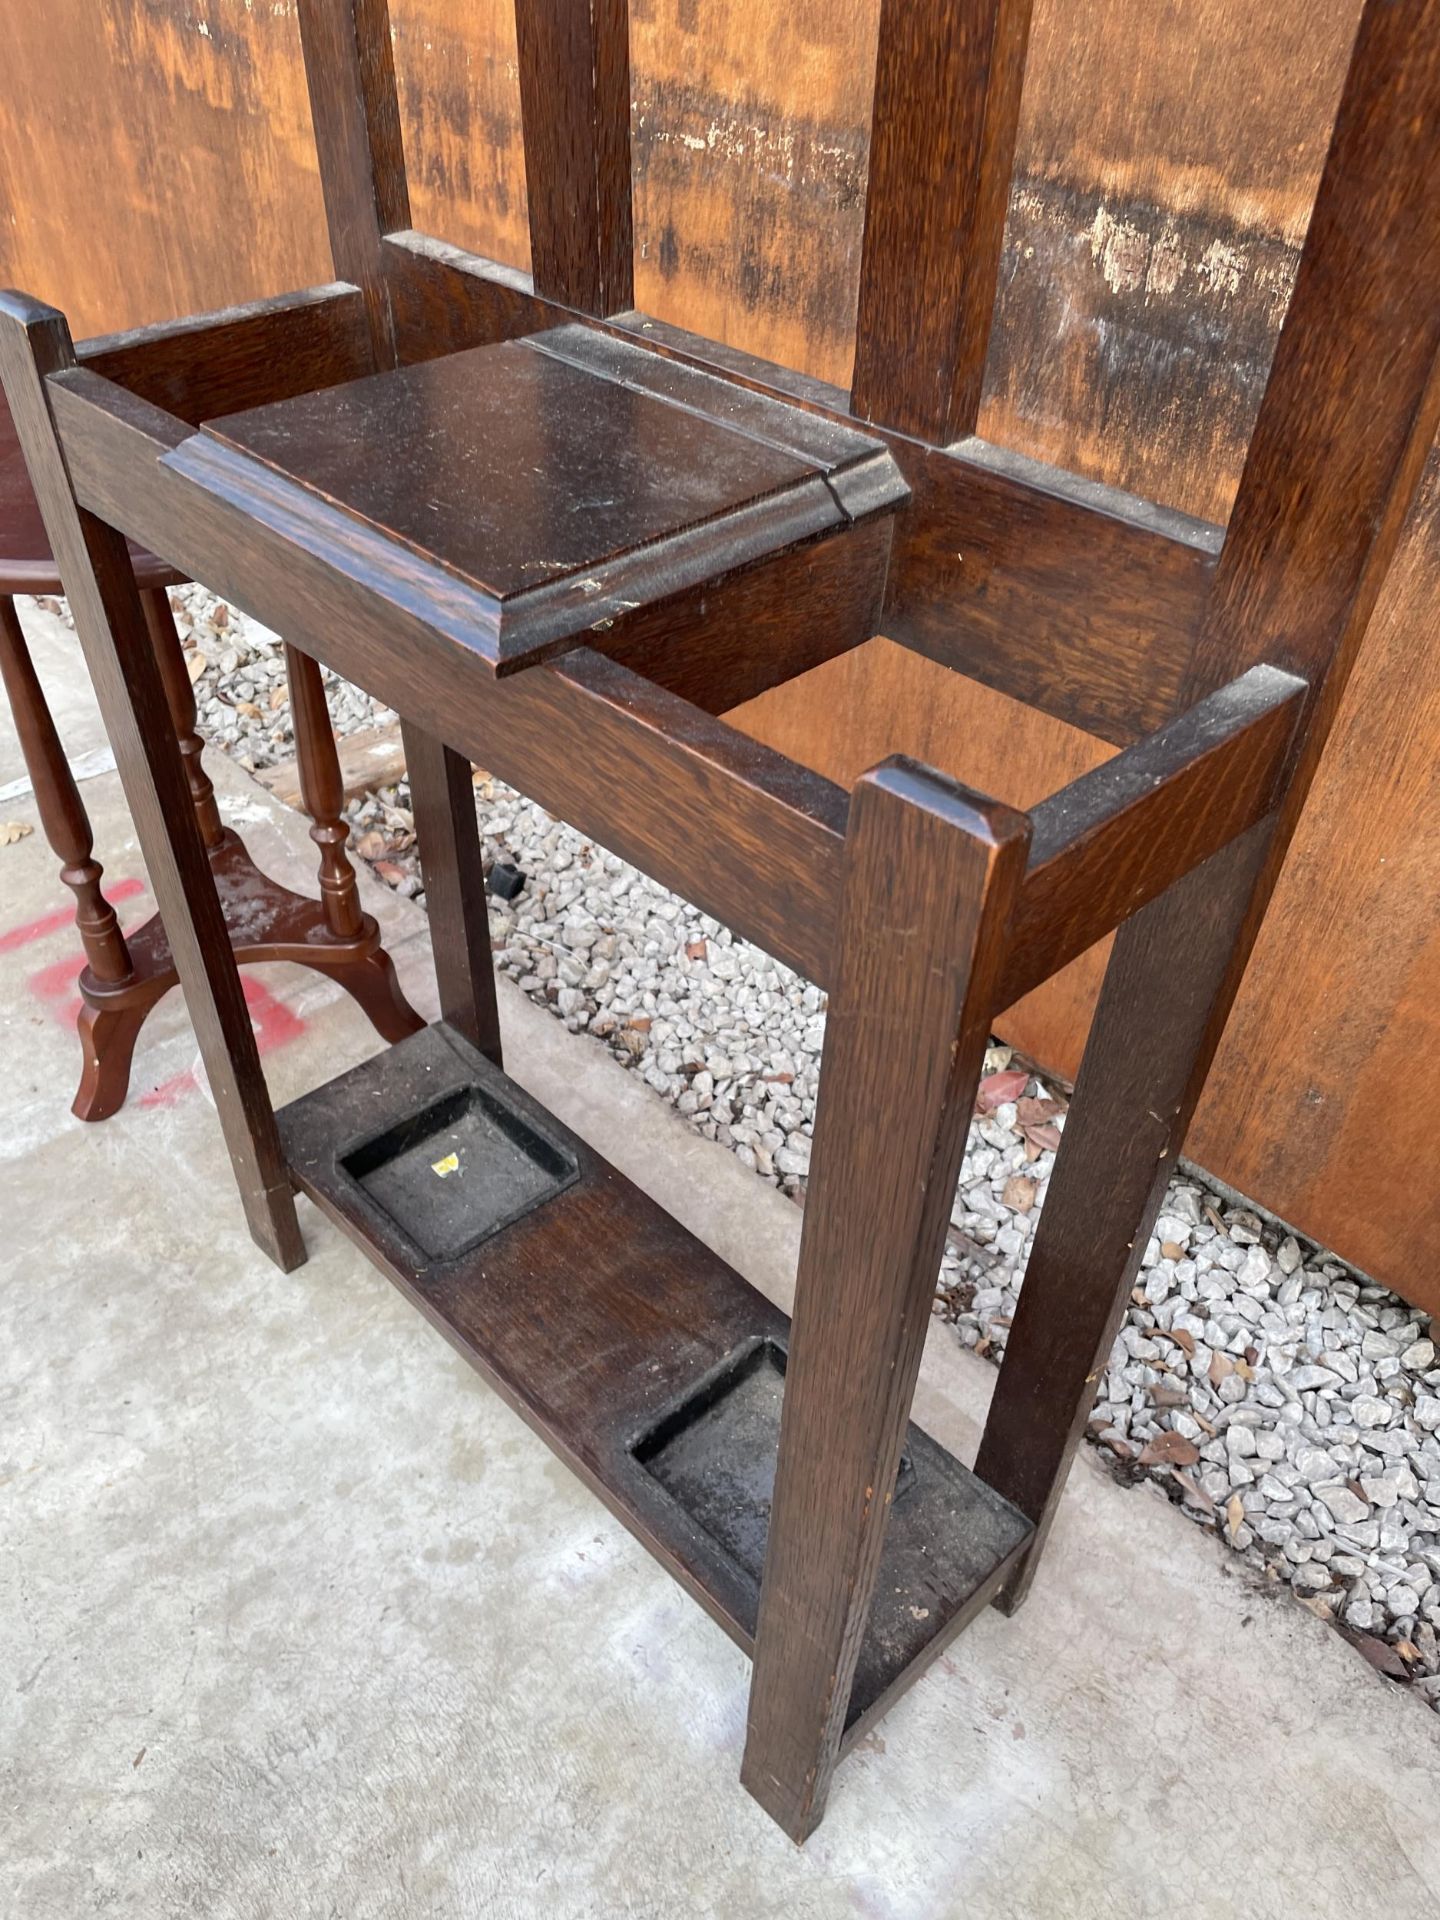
pixel 561 491
pixel 217 363
pixel 444 298
pixel 354 109
pixel 574 60
pixel 559 495
pixel 350 74
pixel 256 350
pixel 709 524
pixel 687 798
pixel 26 562
pixel 1352 409
pixel 609 1328
pixel 942 144
pixel 1160 1016
pixel 1113 839
pixel 759 626
pixel 1071 596
pixel 151 498
pixel 443 802
pixel 931 875
pixel 1139 148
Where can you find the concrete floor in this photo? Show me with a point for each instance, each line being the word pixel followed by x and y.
pixel 297 1619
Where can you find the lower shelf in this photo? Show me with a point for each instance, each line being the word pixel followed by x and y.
pixel 646 1362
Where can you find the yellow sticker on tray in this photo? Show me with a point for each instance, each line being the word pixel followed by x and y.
pixel 450 1164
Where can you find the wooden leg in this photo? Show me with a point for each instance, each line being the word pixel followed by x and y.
pixel 57 798
pixel 370 979
pixel 323 791
pixel 1168 989
pixel 180 695
pixel 931 875
pixel 450 856
pixel 100 586
pixel 107 1045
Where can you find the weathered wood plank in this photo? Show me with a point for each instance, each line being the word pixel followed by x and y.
pixel 370 758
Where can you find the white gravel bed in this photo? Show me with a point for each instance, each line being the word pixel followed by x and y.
pixel 1281 1398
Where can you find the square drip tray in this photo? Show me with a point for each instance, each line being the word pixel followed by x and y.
pixel 458 1170
pixel 715 1453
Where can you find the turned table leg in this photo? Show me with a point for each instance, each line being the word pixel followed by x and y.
pixel 57 799
pixel 931 874
pixel 323 791
pixel 107 1034
pixel 180 696
pixel 353 956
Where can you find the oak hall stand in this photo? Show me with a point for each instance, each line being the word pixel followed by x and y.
pixel 560 537
pixel 126 975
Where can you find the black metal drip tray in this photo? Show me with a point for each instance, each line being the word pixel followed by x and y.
pixel 715 1452
pixel 459 1169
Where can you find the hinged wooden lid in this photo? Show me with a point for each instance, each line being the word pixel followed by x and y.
pixel 560 480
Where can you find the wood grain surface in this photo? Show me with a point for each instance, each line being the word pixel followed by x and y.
pixel 1166 164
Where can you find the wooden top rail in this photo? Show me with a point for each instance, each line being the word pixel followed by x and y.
pixel 217 363
pixel 1116 838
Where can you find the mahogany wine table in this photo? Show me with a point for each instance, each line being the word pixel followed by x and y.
pixel 125 975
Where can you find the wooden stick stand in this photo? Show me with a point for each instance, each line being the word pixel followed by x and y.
pixel 559 538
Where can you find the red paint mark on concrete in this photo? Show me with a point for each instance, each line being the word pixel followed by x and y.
pixel 275 1024
pixel 55 981
pixel 63 917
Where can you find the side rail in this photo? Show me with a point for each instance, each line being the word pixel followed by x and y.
pixel 211 364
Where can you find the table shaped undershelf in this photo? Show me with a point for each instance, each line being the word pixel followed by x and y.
pixel 649 1366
